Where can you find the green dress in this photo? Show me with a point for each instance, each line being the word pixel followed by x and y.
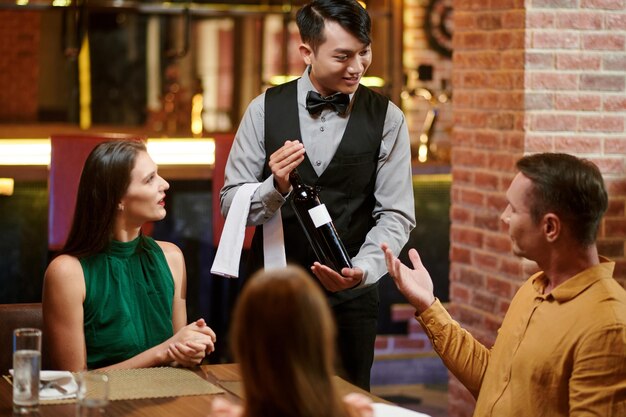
pixel 128 303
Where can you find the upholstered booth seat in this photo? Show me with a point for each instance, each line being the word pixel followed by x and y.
pixel 13 316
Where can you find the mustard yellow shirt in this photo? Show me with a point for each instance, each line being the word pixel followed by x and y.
pixel 558 354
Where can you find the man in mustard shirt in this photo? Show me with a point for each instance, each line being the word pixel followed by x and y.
pixel 561 349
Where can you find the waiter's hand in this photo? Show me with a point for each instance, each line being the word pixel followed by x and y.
pixel 283 161
pixel 334 282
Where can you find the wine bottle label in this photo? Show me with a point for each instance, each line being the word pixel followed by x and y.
pixel 320 215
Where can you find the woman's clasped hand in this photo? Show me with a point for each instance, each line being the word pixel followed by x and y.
pixel 191 344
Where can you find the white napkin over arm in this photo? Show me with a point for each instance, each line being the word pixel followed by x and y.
pixel 228 255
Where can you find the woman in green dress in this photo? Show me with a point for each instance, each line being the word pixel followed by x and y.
pixel 115 298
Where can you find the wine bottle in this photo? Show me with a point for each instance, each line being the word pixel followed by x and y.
pixel 317 225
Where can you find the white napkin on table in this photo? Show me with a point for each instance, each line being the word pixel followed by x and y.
pixel 389 410
pixel 69 383
pixel 49 394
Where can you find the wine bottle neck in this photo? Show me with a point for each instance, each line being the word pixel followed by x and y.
pixel 294 178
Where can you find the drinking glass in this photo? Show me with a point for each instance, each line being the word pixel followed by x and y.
pixel 26 369
pixel 93 394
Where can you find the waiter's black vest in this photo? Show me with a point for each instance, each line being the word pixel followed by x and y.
pixel 346 187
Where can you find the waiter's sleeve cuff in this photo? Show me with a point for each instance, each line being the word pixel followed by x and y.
pixel 270 197
pixel 365 267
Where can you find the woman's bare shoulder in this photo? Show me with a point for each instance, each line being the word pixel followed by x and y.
pixel 64 267
pixel 169 248
pixel 64 279
pixel 174 257
pixel 64 264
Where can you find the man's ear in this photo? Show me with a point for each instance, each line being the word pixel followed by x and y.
pixel 551 227
pixel 305 52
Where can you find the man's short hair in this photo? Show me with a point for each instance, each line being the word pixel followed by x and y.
pixel 349 14
pixel 568 186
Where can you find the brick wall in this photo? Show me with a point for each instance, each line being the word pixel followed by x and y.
pixel 528 77
pixel 576 95
pixel 415 341
pixel 19 66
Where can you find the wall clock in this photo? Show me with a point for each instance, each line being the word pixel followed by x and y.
pixel 439 26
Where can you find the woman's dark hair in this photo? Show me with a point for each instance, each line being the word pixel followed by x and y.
pixel 349 14
pixel 283 337
pixel 570 187
pixel 103 183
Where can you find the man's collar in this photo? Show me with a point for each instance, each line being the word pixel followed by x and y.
pixel 578 283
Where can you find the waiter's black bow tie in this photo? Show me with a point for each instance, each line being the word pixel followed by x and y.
pixel 315 103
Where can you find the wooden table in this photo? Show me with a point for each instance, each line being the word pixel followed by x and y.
pixel 226 376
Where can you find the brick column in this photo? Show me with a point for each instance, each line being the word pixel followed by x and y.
pixel 19 66
pixel 535 76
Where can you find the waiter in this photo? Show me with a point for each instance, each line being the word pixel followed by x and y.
pixel 357 154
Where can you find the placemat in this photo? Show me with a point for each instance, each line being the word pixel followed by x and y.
pixel 131 384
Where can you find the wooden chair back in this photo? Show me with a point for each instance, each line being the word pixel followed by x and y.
pixel 13 316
